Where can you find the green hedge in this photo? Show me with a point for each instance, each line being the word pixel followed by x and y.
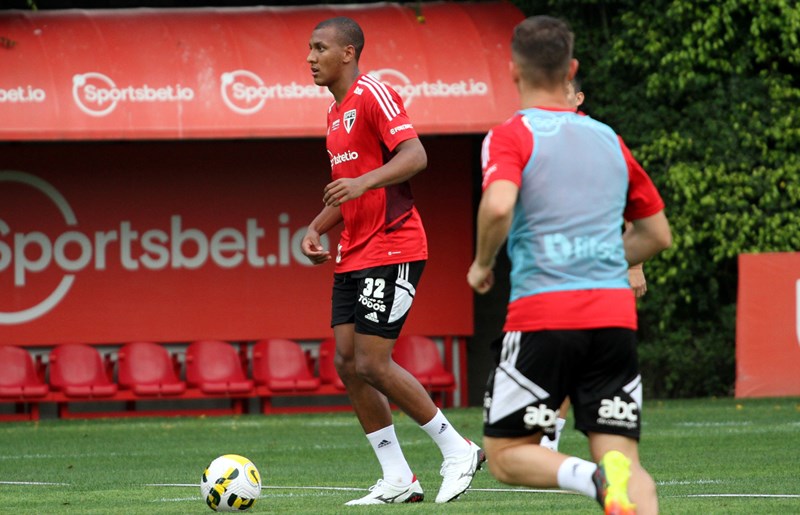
pixel 706 94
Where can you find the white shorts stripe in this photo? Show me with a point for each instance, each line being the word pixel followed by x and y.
pixel 404 293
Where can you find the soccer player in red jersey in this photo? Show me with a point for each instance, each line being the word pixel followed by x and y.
pixel 374 151
pixel 556 185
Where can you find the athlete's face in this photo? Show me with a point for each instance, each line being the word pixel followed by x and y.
pixel 326 56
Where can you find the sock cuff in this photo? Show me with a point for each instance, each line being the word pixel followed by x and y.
pixel 576 474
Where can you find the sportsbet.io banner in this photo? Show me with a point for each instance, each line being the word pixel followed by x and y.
pixel 174 241
pixel 240 73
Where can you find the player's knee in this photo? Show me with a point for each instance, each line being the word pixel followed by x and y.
pixel 344 367
pixel 498 466
pixel 498 471
pixel 369 370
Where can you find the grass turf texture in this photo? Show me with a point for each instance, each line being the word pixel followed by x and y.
pixel 708 456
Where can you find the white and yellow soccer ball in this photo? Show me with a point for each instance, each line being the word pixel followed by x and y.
pixel 231 483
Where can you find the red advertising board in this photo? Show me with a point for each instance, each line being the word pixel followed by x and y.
pixel 181 240
pixel 240 73
pixel 768 325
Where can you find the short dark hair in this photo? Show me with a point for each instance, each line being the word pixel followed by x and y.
pixel 542 48
pixel 348 32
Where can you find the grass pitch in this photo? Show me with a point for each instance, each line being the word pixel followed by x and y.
pixel 707 456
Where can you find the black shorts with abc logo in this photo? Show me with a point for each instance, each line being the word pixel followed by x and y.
pixel 597 368
pixel 377 300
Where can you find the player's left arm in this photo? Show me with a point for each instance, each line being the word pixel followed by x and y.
pixel 408 160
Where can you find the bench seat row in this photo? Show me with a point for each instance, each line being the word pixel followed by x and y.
pixel 229 374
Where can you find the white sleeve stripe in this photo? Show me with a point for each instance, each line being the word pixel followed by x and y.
pixel 385 92
pixel 383 98
pixel 382 95
pixel 379 100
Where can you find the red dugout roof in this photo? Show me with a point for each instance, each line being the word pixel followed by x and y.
pixel 241 73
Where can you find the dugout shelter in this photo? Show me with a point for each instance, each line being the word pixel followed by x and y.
pixel 158 167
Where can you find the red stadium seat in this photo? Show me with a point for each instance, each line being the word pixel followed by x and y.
pixel 215 367
pixel 147 369
pixel 282 366
pixel 78 371
pixel 20 383
pixel 19 378
pixel 327 369
pixel 420 356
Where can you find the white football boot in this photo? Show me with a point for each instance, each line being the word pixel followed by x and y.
pixel 457 473
pixel 385 493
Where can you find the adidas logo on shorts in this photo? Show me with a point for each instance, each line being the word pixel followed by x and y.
pixel 372 317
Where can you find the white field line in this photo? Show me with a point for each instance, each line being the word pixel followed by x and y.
pixel 672 482
pixel 789 496
pixel 271 487
pixel 348 489
pixel 37 483
pixel 496 490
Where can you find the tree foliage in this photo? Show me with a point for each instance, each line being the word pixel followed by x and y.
pixel 706 94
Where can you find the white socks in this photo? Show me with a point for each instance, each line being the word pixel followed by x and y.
pixel 395 467
pixel 576 474
pixel 450 442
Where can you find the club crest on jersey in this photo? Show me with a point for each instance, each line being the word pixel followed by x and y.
pixel 349 119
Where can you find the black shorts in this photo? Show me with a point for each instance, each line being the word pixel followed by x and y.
pixel 377 300
pixel 597 368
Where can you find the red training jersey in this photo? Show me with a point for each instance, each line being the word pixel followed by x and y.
pixel 383 226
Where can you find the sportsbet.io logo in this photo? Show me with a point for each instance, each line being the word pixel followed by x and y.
pixel 126 248
pixel 97 95
pixel 408 90
pixel 22 95
pixel 21 263
pixel 245 92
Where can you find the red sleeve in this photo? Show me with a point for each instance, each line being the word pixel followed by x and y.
pixel 506 151
pixel 643 197
pixel 389 116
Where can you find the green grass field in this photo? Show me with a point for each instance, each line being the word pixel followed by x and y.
pixel 707 456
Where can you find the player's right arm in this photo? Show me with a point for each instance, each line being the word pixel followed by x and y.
pixel 649 232
pixel 311 246
pixel 647 237
pixel 409 159
pixel 636 274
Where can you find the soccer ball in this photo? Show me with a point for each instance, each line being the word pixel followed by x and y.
pixel 231 483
